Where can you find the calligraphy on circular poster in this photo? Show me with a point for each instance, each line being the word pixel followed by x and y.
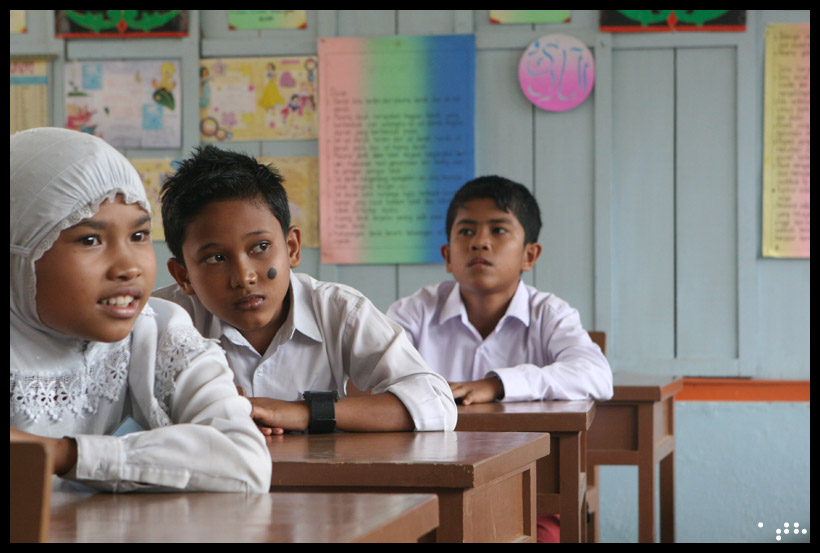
pixel 556 72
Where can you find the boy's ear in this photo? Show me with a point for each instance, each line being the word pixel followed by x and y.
pixel 180 274
pixel 445 253
pixel 531 253
pixel 294 242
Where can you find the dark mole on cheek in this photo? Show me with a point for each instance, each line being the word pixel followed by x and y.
pixel 271 273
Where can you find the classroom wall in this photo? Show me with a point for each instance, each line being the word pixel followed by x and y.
pixel 651 198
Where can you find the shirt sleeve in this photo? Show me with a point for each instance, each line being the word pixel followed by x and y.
pixel 577 368
pixel 210 443
pixel 405 313
pixel 382 359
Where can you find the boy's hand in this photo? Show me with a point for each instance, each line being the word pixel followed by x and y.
pixel 478 391
pixel 275 416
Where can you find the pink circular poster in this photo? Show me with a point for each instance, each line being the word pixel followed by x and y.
pixel 556 72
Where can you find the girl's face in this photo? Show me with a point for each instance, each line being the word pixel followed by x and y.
pixel 97 277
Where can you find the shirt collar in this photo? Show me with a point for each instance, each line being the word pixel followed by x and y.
pixel 301 318
pixel 520 305
pixel 518 308
pixel 304 316
pixel 453 306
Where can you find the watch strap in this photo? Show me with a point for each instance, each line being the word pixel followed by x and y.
pixel 322 411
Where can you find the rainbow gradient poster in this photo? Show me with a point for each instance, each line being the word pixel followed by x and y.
pixel 396 140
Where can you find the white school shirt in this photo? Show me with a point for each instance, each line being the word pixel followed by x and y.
pixel 200 435
pixel 539 349
pixel 332 333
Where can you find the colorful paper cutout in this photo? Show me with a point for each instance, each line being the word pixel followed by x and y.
pixel 556 72
pixel 661 21
pixel 120 23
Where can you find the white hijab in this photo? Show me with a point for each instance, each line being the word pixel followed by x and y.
pixel 57 178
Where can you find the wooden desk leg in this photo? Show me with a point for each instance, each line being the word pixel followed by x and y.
pixel 667 469
pixel 593 502
pixel 573 522
pixel 646 474
pixel 667 466
pixel 451 516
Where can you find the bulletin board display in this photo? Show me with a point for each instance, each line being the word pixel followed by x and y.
pixel 153 173
pixel 28 94
pixel 301 182
pixel 396 142
pixel 787 142
pixel 258 98
pixel 129 104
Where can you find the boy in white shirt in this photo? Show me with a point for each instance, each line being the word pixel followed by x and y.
pixel 492 336
pixel 291 341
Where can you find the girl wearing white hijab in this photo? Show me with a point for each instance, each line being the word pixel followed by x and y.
pixel 90 348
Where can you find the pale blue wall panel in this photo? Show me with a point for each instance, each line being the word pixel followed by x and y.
pixel 643 204
pixel 706 200
pixel 564 168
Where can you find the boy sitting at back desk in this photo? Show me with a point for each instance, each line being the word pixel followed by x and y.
pixel 227 224
pixel 492 336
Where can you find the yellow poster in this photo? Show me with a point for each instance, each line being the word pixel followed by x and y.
pixel 28 94
pixel 258 98
pixel 17 21
pixel 787 142
pixel 154 173
pixel 301 175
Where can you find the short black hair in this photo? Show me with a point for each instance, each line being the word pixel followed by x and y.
pixel 213 175
pixel 508 196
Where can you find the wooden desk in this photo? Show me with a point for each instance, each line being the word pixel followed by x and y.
pixel 636 427
pixel 562 475
pixel 30 470
pixel 239 517
pixel 485 481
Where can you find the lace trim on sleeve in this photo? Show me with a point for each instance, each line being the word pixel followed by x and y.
pixel 174 352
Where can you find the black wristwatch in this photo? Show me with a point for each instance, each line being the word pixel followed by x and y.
pixel 322 411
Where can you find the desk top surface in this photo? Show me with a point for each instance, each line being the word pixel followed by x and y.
pixel 644 387
pixel 528 416
pixel 235 517
pixel 404 459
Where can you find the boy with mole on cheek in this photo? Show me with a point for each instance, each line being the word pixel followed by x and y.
pixel 292 342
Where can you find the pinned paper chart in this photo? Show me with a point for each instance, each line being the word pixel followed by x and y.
pixel 129 104
pixel 395 143
pixel 787 142
pixel 556 72
pixel 257 98
pixel 301 176
pixel 154 173
pixel 28 94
